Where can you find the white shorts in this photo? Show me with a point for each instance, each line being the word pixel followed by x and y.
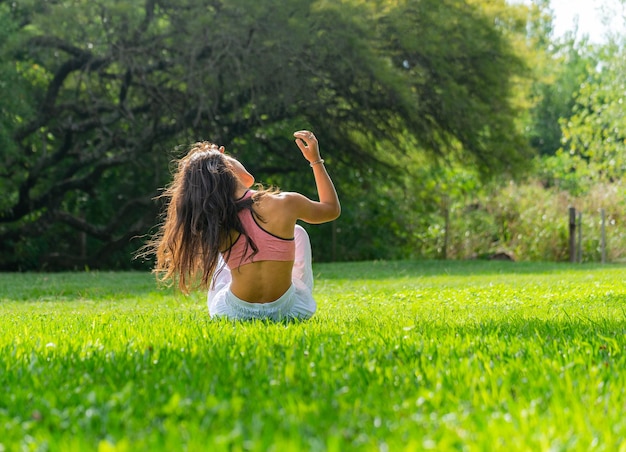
pixel 296 303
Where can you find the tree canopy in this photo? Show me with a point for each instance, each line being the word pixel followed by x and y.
pixel 102 92
pixel 596 131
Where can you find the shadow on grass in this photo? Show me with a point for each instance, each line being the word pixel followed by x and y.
pixel 76 286
pixel 398 269
pixel 116 286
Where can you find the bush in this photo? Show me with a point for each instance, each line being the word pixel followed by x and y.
pixel 531 222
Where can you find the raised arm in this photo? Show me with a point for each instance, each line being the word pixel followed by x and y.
pixel 328 207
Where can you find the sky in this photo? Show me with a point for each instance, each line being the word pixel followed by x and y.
pixel 589 14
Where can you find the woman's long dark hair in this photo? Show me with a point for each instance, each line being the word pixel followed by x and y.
pixel 201 218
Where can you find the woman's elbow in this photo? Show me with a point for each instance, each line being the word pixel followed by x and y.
pixel 335 212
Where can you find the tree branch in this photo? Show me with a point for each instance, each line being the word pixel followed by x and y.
pixel 111 245
pixel 103 233
pixel 82 59
pixel 53 194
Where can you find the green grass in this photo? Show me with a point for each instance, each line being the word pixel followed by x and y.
pixel 400 356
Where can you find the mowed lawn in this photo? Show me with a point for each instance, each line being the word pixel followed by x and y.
pixel 400 356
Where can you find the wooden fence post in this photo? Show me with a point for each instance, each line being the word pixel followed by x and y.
pixel 579 248
pixel 333 247
pixel 572 234
pixel 603 236
pixel 446 232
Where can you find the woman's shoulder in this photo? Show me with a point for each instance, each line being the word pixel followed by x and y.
pixel 275 195
pixel 283 202
pixel 288 199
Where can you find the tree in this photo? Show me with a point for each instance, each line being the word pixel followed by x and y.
pixel 567 63
pixel 461 68
pixel 571 65
pixel 13 108
pixel 113 86
pixel 596 132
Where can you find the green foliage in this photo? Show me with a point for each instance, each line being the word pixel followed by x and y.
pixel 113 87
pixel 529 221
pixel 452 48
pixel 597 130
pixel 401 355
pixel 570 64
pixel 13 109
pixel 577 127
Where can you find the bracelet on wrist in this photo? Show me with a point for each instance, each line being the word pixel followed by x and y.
pixel 317 162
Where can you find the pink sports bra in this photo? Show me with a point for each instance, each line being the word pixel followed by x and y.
pixel 271 247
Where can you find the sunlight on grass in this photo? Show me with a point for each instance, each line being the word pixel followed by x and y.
pixel 400 356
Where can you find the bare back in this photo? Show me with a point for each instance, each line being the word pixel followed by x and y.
pixel 266 281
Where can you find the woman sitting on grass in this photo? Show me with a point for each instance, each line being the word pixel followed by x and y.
pixel 245 244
